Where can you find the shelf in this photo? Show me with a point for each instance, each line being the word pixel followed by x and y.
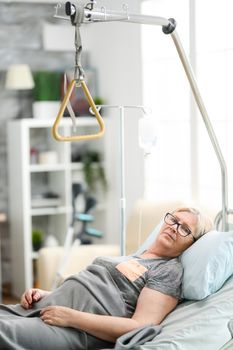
pixel 33 181
pixel 39 168
pixel 79 165
pixel 65 122
pixel 50 211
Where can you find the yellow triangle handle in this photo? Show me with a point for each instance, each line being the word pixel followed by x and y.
pixel 65 101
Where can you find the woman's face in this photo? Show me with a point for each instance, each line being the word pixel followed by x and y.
pixel 169 238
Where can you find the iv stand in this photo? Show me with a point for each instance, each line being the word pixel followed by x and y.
pixel 168 27
pixel 122 168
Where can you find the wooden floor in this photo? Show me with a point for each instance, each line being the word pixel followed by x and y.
pixel 7 298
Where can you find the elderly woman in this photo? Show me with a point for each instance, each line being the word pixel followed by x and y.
pixel 110 298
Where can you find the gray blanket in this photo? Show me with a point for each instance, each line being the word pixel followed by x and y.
pixel 22 329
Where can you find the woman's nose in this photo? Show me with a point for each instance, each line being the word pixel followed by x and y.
pixel 174 228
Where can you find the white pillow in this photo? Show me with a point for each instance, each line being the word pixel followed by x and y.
pixel 207 264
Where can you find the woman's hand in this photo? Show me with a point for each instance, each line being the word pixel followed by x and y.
pixel 31 296
pixel 57 315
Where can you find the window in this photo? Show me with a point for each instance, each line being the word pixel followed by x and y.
pixel 172 172
pixel 166 91
pixel 214 70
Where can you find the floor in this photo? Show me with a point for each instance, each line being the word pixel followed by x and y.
pixel 7 298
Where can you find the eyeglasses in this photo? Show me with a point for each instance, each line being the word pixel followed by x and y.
pixel 182 229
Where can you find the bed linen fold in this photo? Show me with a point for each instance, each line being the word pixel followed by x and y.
pixel 230 327
pixel 22 329
pixel 136 337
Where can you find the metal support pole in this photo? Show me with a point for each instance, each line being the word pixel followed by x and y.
pixel 122 175
pixel 122 168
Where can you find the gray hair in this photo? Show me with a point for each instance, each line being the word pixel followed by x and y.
pixel 204 223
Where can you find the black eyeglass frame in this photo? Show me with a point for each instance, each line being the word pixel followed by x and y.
pixel 178 225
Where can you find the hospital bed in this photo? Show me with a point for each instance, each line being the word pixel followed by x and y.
pixel 195 324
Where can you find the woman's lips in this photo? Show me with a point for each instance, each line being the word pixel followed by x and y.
pixel 169 235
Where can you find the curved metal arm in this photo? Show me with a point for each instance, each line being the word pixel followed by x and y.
pixel 209 128
pixel 65 102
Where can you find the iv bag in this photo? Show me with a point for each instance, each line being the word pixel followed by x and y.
pixel 147 134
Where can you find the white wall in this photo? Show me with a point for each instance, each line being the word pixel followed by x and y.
pixel 167 91
pixel 115 50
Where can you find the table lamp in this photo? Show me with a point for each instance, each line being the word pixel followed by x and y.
pixel 19 77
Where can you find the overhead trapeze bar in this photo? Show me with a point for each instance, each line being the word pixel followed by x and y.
pixel 89 15
pixel 64 104
pixel 77 82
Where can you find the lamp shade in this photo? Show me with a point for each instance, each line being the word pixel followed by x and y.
pixel 19 77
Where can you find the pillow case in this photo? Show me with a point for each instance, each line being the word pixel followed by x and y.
pixel 207 264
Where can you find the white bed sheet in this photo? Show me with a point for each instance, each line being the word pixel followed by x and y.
pixel 228 345
pixel 200 325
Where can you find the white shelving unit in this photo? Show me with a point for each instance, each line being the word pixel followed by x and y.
pixel 27 179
